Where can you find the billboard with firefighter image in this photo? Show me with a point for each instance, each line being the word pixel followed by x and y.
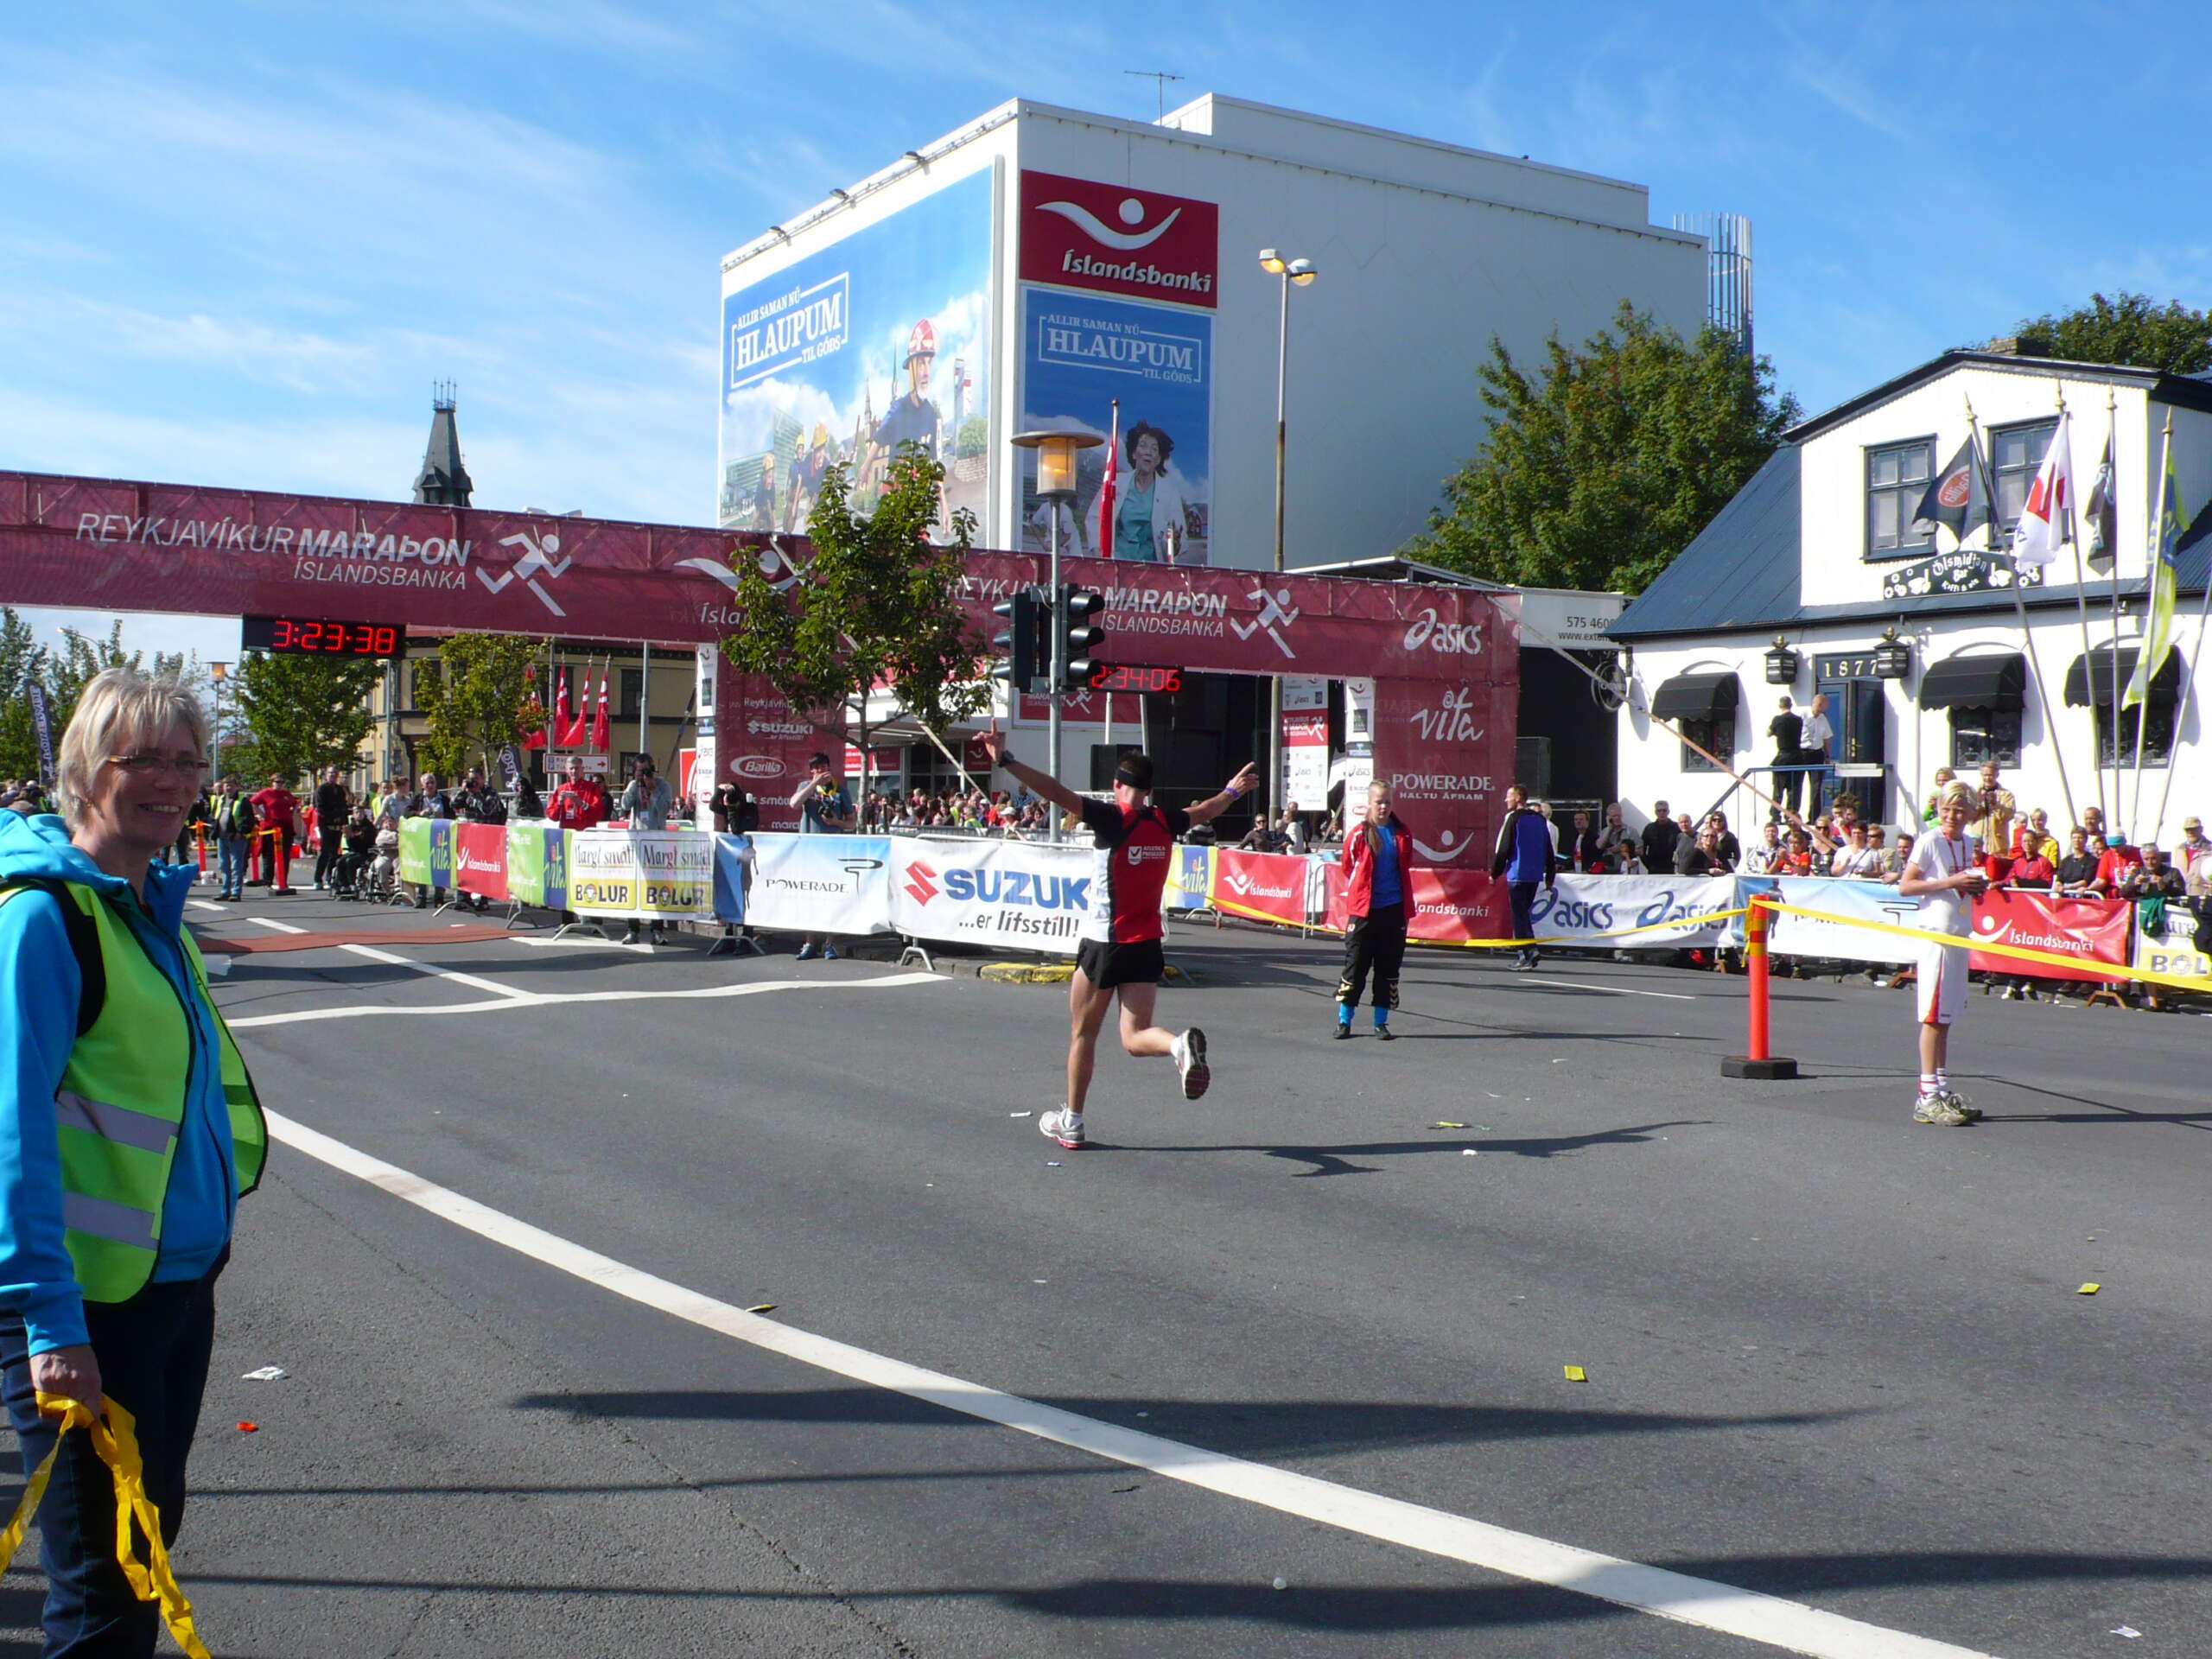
pixel 880 338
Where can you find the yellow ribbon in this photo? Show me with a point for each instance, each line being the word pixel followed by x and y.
pixel 1701 917
pixel 116 1442
pixel 2083 969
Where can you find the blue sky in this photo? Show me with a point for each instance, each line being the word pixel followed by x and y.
pixel 241 240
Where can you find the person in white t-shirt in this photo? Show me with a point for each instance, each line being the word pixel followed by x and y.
pixel 1940 872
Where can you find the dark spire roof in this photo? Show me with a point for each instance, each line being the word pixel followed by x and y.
pixel 443 482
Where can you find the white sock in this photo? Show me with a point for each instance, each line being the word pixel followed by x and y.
pixel 1930 1083
pixel 1943 1081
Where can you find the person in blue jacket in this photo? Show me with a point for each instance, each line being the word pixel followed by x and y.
pixel 129 1129
pixel 1525 856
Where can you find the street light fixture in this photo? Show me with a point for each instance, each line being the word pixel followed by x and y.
pixel 1056 471
pixel 1300 272
pixel 219 673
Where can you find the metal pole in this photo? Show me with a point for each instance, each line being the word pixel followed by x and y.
pixel 2181 710
pixel 1274 786
pixel 1059 669
pixel 2143 659
pixel 644 695
pixel 2081 601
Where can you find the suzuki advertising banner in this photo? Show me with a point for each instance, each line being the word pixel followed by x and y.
pixel 1079 353
pixel 1025 894
pixel 880 339
pixel 1679 910
pixel 1269 886
pixel 820 884
pixel 666 873
pixel 538 864
pixel 479 859
pixel 2093 931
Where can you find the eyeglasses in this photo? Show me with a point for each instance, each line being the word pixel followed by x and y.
pixel 149 766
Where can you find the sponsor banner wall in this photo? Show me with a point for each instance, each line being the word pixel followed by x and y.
pixel 641 872
pixel 1079 353
pixel 881 338
pixel 1447 753
pixel 1450 906
pixel 1270 885
pixel 1086 233
pixel 538 864
pixel 1802 936
pixel 426 851
pixel 2091 929
pixel 1027 895
pixel 1581 908
pixel 820 884
pixel 479 859
pixel 1190 878
pixel 766 747
pixel 733 876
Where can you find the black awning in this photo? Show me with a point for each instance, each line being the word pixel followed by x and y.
pixel 2092 676
pixel 1994 680
pixel 1695 696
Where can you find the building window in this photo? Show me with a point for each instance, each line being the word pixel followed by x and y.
pixel 1716 734
pixel 2157 736
pixel 2015 452
pixel 1981 737
pixel 633 688
pixel 1897 477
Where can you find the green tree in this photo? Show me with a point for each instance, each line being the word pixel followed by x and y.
pixel 879 604
pixel 1602 465
pixel 23 660
pixel 474 700
pixel 2128 328
pixel 974 437
pixel 301 713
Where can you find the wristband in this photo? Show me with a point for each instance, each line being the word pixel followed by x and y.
pixel 1232 792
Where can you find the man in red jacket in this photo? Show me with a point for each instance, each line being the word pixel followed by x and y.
pixel 1378 892
pixel 279 811
pixel 580 803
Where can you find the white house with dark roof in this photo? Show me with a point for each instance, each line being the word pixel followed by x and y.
pixel 1818 563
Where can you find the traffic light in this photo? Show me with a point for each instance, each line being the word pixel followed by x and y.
pixel 1026 644
pixel 1073 609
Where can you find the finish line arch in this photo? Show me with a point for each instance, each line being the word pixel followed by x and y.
pixel 1444 661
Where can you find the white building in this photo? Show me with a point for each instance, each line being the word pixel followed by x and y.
pixel 1799 580
pixel 1027 270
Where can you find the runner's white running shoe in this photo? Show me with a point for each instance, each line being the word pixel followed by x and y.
pixel 1064 1126
pixel 1938 1108
pixel 1957 1103
pixel 1190 1052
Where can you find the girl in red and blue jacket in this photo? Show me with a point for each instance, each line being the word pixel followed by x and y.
pixel 1378 892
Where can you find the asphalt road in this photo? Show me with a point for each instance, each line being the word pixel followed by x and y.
pixel 1831 1357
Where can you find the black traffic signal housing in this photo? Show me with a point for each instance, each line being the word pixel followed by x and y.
pixel 1073 609
pixel 1026 643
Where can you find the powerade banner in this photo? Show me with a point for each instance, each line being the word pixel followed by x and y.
pixel 480 864
pixel 1079 353
pixel 538 864
pixel 820 884
pixel 426 851
pixel 1584 907
pixel 1802 936
pixel 667 874
pixel 1026 895
pixel 2093 931
pixel 880 338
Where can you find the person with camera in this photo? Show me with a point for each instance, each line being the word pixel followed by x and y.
pixel 1942 872
pixel 825 809
pixel 647 802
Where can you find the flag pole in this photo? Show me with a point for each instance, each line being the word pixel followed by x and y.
pixel 2020 605
pixel 2081 609
pixel 2143 707
pixel 2181 709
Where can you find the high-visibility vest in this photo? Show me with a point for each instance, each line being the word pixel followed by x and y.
pixel 122 1100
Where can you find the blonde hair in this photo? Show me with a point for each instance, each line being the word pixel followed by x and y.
pixel 1965 794
pixel 119 707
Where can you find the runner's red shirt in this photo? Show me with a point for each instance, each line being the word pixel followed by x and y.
pixel 1130 872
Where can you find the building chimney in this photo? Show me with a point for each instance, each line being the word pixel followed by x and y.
pixel 2020 345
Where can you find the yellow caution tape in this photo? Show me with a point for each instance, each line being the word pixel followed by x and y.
pixel 115 1442
pixel 2082 968
pixel 1701 917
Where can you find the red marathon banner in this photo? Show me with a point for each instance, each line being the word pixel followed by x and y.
pixel 1270 887
pixel 1447 751
pixel 2093 931
pixel 1451 907
pixel 479 859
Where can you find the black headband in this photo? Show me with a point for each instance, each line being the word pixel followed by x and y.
pixel 1123 775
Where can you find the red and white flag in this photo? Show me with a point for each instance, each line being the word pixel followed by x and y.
pixel 601 732
pixel 568 726
pixel 1104 541
pixel 2047 520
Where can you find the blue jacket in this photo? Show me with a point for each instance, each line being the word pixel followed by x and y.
pixel 39 987
pixel 1524 849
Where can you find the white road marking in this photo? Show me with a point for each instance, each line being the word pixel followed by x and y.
pixel 1789 1626
pixel 274 927
pixel 1613 990
pixel 453 974
pixel 581 945
pixel 548 999
pixel 203 903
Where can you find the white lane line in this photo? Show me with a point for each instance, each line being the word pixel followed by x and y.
pixel 1789 1626
pixel 547 998
pixel 274 927
pixel 580 944
pixel 204 904
pixel 1613 990
pixel 453 974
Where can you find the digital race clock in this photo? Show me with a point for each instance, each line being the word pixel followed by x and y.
pixel 313 636
pixel 1124 677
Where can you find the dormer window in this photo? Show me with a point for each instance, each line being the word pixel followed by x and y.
pixel 1896 478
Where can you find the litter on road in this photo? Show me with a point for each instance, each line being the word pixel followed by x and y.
pixel 249 1429
pixel 761 1307
pixel 266 1374
pixel 1576 1373
pixel 2088 1290
pixel 1281 1583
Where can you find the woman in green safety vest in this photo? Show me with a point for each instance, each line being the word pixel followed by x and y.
pixel 129 1129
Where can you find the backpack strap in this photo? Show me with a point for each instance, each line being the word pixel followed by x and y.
pixel 84 944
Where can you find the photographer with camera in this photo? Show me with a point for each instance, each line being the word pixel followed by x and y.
pixel 825 809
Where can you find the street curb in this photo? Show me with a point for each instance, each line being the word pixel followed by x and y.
pixel 1045 973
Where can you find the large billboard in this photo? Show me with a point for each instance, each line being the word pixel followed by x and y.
pixel 878 340
pixel 1086 233
pixel 1080 352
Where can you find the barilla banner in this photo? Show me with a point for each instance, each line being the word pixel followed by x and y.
pixel 426 851
pixel 1005 893
pixel 1450 906
pixel 1268 886
pixel 1839 941
pixel 1190 878
pixel 2095 932
pixel 643 873
pixel 820 884
pixel 479 859
pixel 1678 911
pixel 538 864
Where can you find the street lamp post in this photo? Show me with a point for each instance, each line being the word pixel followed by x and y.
pixel 1302 273
pixel 219 673
pixel 1056 454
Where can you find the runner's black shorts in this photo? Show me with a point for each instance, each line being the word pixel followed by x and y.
pixel 1104 962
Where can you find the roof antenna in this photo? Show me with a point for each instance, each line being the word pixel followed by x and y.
pixel 1159 79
